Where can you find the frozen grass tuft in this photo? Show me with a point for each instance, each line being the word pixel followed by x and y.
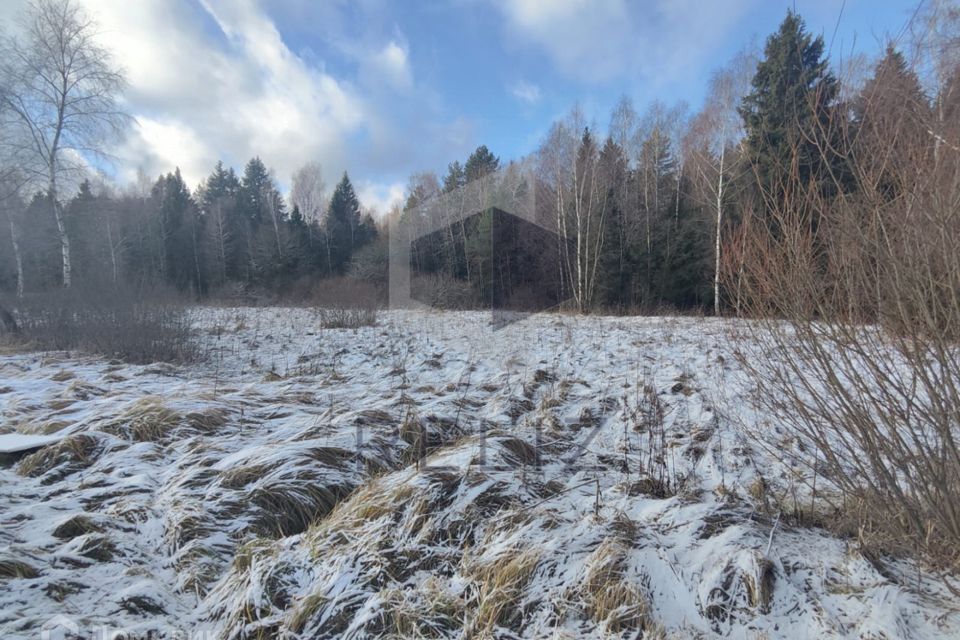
pixel 610 599
pixel 500 586
pixel 346 318
pixel 11 569
pixel 58 460
pixel 147 420
pixel 75 527
pixel 428 611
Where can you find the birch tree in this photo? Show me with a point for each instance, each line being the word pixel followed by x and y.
pixel 11 203
pixel 61 99
pixel 572 183
pixel 308 192
pixel 711 145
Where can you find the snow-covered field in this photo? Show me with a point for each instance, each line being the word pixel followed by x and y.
pixel 562 477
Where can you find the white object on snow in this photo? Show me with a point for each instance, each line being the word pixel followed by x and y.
pixel 18 442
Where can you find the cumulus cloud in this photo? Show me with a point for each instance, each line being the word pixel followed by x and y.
pixel 217 80
pixel 200 95
pixel 381 197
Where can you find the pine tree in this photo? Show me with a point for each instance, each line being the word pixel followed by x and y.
pixel 788 108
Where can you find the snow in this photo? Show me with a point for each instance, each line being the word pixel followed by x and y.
pixel 17 442
pixel 284 494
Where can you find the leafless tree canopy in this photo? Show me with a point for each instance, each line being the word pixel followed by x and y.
pixel 60 98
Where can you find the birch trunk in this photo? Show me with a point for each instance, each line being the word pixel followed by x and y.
pixel 716 258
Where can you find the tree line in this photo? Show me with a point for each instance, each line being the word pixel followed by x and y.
pixel 655 212
pixel 228 234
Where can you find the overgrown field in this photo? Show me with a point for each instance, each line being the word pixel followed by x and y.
pixel 430 476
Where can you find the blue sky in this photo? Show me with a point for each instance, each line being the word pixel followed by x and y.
pixel 386 88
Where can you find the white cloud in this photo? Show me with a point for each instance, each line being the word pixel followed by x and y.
pixel 526 92
pixel 199 97
pixel 216 80
pixel 162 145
pixel 380 197
pixel 392 64
pixel 600 40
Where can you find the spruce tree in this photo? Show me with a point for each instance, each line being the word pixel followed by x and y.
pixel 343 224
pixel 456 177
pixel 891 115
pixel 254 188
pixel 788 108
pixel 480 163
pixel 226 225
pixel 176 220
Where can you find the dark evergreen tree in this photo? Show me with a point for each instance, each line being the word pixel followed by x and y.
pixel 787 114
pixel 179 252
pixel 456 177
pixel 255 186
pixel 264 213
pixel 615 269
pixel 480 163
pixel 226 226
pixel 41 249
pixel 343 224
pixel 891 116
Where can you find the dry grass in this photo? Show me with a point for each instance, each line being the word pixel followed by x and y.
pixel 289 507
pixel 207 420
pixel 500 588
pixel 11 569
pixel 609 598
pixel 304 611
pixel 71 454
pixel 248 608
pixel 46 427
pixel 76 526
pixel 242 476
pixel 746 587
pixel 147 420
pixel 346 318
pixel 63 375
pixel 98 547
pixel 428 611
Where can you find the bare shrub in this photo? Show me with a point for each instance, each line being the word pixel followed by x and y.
pixel 344 292
pixel 136 328
pixel 442 291
pixel 855 348
pixel 344 318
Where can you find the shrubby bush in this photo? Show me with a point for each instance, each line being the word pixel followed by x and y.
pixel 137 327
